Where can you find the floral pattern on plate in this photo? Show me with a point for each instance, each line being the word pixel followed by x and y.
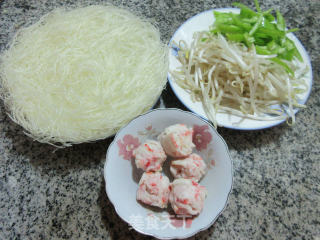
pixel 127 145
pixel 201 136
pixel 149 132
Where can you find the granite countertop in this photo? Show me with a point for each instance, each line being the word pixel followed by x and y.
pixel 61 194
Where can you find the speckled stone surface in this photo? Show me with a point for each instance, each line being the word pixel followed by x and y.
pixel 60 195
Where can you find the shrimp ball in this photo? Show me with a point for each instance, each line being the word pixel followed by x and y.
pixel 192 167
pixel 154 189
pixel 176 140
pixel 187 196
pixel 149 156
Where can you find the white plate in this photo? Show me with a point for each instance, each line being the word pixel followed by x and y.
pixel 122 176
pixel 201 22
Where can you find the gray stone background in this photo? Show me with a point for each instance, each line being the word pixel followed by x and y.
pixel 60 195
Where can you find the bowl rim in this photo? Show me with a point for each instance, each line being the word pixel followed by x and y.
pixel 152 234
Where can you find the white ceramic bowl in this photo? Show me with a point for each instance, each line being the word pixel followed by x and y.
pixel 201 22
pixel 122 176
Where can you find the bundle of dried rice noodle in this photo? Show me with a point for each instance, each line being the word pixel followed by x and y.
pixel 79 75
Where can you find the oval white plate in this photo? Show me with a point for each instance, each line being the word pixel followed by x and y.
pixel 201 22
pixel 122 177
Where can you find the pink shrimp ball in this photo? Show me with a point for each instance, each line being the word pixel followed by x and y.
pixel 187 196
pixel 192 167
pixel 176 140
pixel 154 189
pixel 149 156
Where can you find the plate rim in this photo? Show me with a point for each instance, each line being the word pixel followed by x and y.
pixel 231 171
pixel 273 122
